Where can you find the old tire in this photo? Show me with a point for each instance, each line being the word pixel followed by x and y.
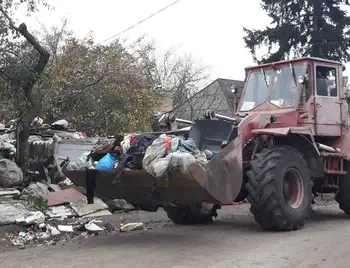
pixel 187 215
pixel 343 196
pixel 280 189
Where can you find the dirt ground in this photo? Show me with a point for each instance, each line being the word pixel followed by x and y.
pixel 233 240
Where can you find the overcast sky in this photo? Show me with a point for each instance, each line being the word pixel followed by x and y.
pixel 210 30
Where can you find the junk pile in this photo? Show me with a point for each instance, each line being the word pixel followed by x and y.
pixel 51 212
pixel 42 140
pixel 41 147
pixel 157 154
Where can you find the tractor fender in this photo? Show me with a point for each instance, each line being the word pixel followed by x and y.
pixel 293 136
pixel 302 139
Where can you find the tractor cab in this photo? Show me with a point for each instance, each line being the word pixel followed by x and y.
pixel 311 87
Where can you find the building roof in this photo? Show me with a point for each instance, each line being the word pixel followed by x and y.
pixel 220 93
pixel 226 86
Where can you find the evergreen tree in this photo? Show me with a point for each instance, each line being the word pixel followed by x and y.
pixel 316 28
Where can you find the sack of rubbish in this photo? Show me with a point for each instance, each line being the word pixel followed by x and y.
pixel 157 150
pixel 182 154
pixel 60 125
pixel 106 162
pixel 10 174
pixel 37 122
pixel 182 160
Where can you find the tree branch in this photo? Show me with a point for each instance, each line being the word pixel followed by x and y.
pixel 12 25
pixel 81 91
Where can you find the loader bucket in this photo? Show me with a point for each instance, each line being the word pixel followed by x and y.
pixel 223 176
pixel 219 182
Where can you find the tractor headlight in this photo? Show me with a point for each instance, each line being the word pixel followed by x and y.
pixel 301 79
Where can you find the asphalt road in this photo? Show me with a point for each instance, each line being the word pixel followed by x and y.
pixel 233 240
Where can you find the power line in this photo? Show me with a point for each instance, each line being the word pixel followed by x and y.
pixel 140 22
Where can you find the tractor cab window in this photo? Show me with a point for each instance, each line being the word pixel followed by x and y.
pixel 285 86
pixel 326 84
pixel 257 89
pixel 306 87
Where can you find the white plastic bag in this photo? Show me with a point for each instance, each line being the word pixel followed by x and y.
pixel 154 152
pixel 125 144
pixel 160 167
pixel 182 160
pixel 81 163
pixel 62 123
pixel 37 122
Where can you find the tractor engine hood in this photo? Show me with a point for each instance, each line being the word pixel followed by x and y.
pixel 266 119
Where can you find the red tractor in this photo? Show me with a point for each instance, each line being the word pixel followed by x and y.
pixel 288 142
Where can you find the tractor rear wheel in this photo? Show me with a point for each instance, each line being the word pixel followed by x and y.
pixel 343 196
pixel 280 189
pixel 196 214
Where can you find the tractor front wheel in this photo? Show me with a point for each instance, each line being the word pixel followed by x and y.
pixel 280 189
pixel 343 196
pixel 196 214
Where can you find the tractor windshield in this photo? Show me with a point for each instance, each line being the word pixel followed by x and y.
pixel 285 86
pixel 257 89
pixel 279 86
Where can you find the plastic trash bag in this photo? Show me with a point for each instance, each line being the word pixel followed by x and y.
pixel 160 168
pixel 175 143
pixel 84 161
pixel 182 160
pixel 180 144
pixel 125 144
pixel 190 146
pixel 106 162
pixel 157 150
pixel 37 122
pixel 62 123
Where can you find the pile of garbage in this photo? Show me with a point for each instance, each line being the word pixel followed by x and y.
pixel 156 154
pixel 50 233
pixel 49 212
pixel 40 134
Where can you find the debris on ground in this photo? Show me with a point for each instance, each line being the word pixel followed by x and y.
pixel 9 192
pixel 11 212
pixel 32 217
pixel 82 208
pixel 61 211
pixel 65 228
pixel 133 226
pixel 119 204
pixel 10 174
pixel 64 196
pixel 93 227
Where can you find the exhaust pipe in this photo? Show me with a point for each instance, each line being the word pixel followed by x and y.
pixel 328 148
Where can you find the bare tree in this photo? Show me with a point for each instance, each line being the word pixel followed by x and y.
pixel 174 74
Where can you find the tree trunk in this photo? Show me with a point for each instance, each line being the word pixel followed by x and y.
pixel 35 107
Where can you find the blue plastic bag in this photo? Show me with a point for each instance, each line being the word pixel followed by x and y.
pixel 106 163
